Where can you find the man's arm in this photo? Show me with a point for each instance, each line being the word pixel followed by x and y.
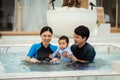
pixel 66 54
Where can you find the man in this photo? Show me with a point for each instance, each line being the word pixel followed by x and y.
pixel 81 49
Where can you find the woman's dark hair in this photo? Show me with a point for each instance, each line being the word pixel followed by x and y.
pixel 46 28
pixel 64 38
pixel 83 31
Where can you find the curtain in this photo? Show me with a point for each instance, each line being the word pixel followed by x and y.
pixel 14 19
pixel 33 14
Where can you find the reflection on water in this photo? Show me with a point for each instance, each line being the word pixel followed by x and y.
pixel 13 61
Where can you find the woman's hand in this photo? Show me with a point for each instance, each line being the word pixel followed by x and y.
pixel 33 60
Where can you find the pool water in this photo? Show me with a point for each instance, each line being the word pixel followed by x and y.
pixel 12 59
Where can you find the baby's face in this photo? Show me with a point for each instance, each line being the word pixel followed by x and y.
pixel 62 44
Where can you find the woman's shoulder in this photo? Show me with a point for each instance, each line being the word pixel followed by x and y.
pixel 36 45
pixel 53 45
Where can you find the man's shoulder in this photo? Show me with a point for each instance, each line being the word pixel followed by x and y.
pixel 88 45
pixel 73 46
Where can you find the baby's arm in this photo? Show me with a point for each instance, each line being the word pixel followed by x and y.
pixel 55 57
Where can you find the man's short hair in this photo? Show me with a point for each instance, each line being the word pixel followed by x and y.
pixel 83 31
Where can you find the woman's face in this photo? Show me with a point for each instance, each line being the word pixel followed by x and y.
pixel 46 37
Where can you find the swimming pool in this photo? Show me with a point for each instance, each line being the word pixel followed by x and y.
pixel 12 60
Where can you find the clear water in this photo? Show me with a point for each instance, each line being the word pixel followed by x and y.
pixel 12 58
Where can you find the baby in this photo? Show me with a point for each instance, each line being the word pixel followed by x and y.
pixel 63 47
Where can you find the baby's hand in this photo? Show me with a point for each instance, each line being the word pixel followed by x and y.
pixel 66 54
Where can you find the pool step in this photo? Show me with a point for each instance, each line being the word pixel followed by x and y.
pixel 2 69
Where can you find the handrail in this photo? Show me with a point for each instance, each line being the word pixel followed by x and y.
pixel 0 35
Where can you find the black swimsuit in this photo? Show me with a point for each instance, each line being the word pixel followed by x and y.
pixel 44 53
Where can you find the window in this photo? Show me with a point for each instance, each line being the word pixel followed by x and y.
pixel 29 16
pixel 111 12
pixel 7 15
pixel 22 16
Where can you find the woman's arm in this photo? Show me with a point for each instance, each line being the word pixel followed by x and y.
pixel 31 59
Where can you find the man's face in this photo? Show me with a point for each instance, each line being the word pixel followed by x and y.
pixel 78 40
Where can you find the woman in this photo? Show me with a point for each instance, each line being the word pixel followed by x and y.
pixel 40 51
